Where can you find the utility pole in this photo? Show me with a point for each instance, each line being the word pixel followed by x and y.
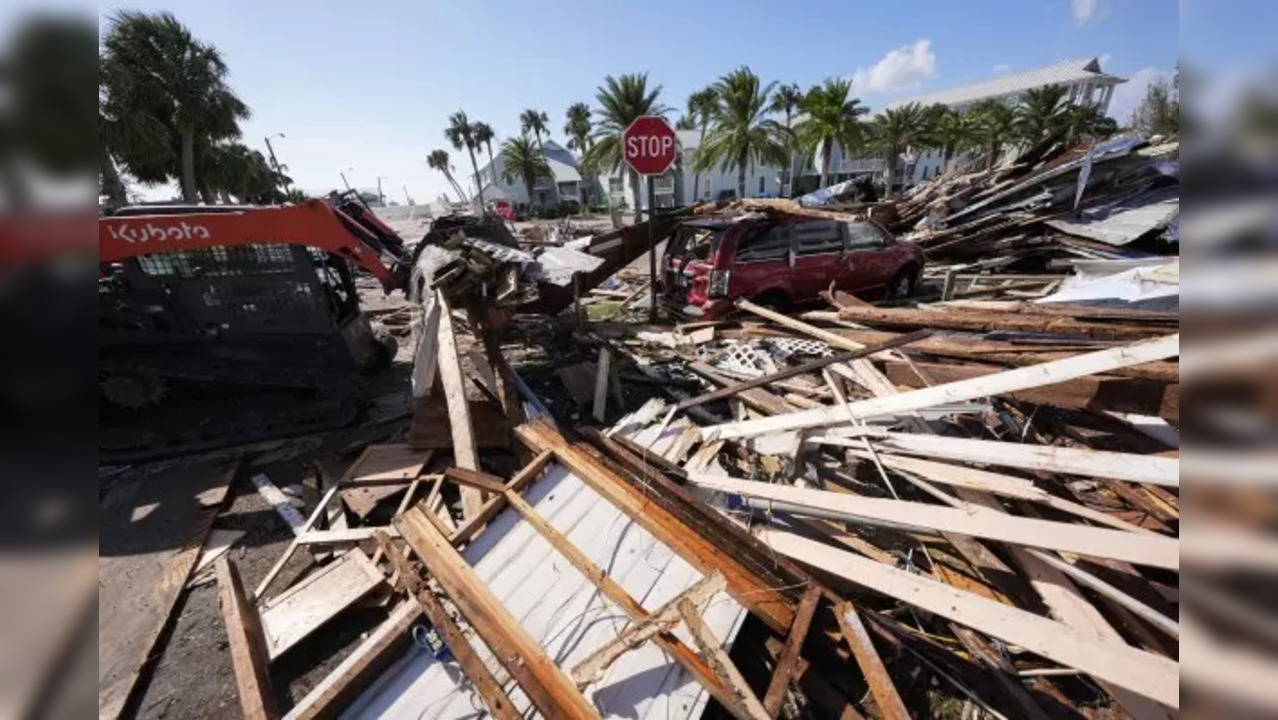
pixel 380 196
pixel 344 180
pixel 407 198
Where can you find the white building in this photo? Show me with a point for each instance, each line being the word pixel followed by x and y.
pixel 676 187
pixel 1084 79
pixel 567 186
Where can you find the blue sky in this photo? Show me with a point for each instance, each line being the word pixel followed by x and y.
pixel 368 87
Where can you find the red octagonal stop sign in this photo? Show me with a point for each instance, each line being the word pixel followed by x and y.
pixel 649 146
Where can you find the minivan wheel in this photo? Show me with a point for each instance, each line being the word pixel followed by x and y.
pixel 902 285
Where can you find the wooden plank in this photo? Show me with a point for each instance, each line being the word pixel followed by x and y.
pixel 218 543
pixel 993 322
pixel 1153 469
pixel 498 702
pixel 769 603
pixel 616 593
pixel 1150 675
pixel 302 609
pixel 885 694
pixel 600 407
pixel 789 658
pixel 995 483
pixel 279 502
pixel 718 659
pixel 1155 618
pixel 497 503
pixel 335 537
pixel 151 534
pixel 380 472
pixel 361 667
pixel 1141 548
pixel 249 656
pixel 547 687
pixel 475 479
pixel 454 382
pixel 1126 395
pixel 961 391
pixel 293 545
pixel 755 398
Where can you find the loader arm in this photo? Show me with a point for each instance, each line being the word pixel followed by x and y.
pixel 313 223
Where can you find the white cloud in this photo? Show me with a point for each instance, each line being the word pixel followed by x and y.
pixel 1104 60
pixel 901 68
pixel 1128 95
pixel 1002 69
pixel 1082 10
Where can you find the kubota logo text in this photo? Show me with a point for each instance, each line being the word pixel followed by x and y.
pixel 155 233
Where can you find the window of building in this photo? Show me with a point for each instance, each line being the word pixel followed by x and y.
pixel 816 237
pixel 772 243
pixel 761 185
pixel 864 236
pixel 925 171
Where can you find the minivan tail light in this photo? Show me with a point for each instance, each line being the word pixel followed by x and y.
pixel 718 283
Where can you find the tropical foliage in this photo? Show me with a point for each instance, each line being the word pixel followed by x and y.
pixel 830 115
pixel 898 129
pixel 993 124
pixel 523 160
pixel 535 122
pixel 1159 111
pixel 743 135
pixel 438 160
pixel 577 127
pixel 1041 113
pixel 461 133
pixel 952 133
pixel 621 100
pixel 484 136
pixel 701 107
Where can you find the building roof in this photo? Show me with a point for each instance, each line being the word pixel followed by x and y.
pixel 563 164
pixel 1063 73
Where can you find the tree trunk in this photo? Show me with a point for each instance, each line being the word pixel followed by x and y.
pixel 636 191
pixel 479 185
pixel 189 188
pixel 741 178
pixel 827 147
pixel 890 173
pixel 945 159
pixel 492 165
pixel 787 176
pixel 112 184
pixel 696 177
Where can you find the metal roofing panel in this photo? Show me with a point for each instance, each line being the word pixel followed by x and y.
pixel 1126 220
pixel 1067 72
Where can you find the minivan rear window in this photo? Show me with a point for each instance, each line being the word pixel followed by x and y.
pixel 696 243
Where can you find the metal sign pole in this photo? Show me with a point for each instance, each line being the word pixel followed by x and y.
pixel 652 251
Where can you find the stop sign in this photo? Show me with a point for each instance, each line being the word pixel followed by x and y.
pixel 649 146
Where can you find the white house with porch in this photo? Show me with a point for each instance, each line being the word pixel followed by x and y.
pixel 567 186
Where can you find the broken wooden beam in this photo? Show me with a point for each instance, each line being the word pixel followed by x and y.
pixel 454 382
pixel 475 479
pixel 789 658
pixel 549 689
pixel 747 706
pixel 247 643
pixel 995 322
pixel 884 690
pixel 497 503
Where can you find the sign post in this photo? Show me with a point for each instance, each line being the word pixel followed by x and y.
pixel 649 147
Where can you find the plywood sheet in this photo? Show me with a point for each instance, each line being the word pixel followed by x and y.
pixel 303 608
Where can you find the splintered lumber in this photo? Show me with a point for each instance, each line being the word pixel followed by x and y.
pixel 995 322
pixel 997 484
pixel 788 661
pixel 472 664
pixel 294 544
pixel 361 667
pixel 336 537
pixel 475 479
pixel 549 689
pixel 616 593
pixel 591 669
pixel 1083 577
pixel 770 604
pixel 1127 395
pixel 803 369
pixel 961 391
pixel 454 382
pixel 749 707
pixel 881 686
pixel 299 611
pixel 754 398
pixel 497 503
pixel 1153 469
pixel 380 471
pixel 151 535
pixel 249 656
pixel 1140 548
pixel 1150 675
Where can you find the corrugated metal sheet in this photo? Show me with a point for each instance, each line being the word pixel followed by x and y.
pixel 1067 72
pixel 565 612
pixel 1120 223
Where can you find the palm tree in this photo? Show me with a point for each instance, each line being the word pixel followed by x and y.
pixel 577 127
pixel 1042 112
pixel 993 125
pixel 484 136
pixel 786 101
pixel 1087 120
pixel 438 160
pixel 701 107
pixel 159 68
pixel 953 133
pixel 830 116
pixel 898 129
pixel 621 101
pixel 535 122
pixel 461 133
pixel 521 159
pixel 742 135
pixel 686 122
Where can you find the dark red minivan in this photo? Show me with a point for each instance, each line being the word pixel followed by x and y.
pixel 711 262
